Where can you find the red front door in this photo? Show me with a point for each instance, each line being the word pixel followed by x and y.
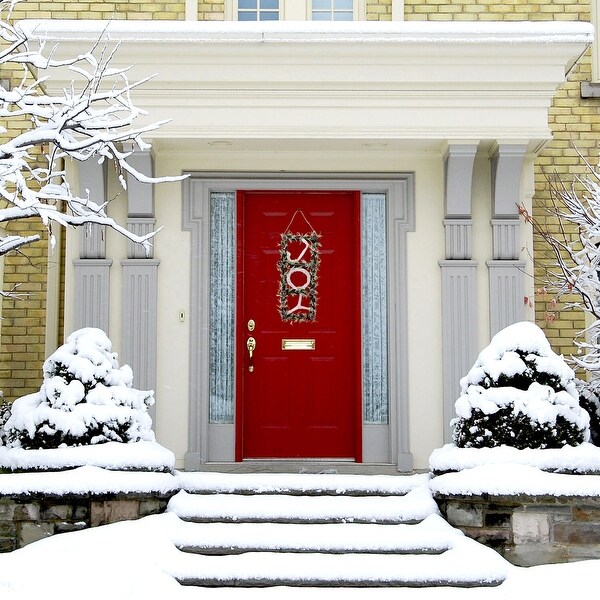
pixel 299 295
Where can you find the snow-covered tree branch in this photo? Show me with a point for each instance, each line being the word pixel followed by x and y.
pixel 575 245
pixel 91 120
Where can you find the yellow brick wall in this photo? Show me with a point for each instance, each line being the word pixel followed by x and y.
pixel 575 124
pixel 74 9
pixel 211 11
pixel 22 326
pixel 379 10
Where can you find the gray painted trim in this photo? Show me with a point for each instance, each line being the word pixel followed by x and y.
pixel 506 293
pixel 196 221
pixel 401 220
pixel 459 330
pixel 92 181
pixel 140 195
pixel 507 166
pixel 139 338
pixel 506 237
pixel 458 176
pixel 458 238
pixel 140 227
pixel 92 287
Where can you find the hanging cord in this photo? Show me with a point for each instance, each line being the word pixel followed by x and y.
pixel 299 211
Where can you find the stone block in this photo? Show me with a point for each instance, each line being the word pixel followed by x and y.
pixel 577 533
pixel 65 527
pixel 489 536
pixel 26 512
pixel 530 528
pixel 497 519
pixel 6 510
pixel 80 512
pixel 583 552
pixel 8 544
pixel 464 515
pixel 56 512
pixel 32 532
pixel 152 507
pixel 530 555
pixel 584 513
pixel 112 511
pixel 8 529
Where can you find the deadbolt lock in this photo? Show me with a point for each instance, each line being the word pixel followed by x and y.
pixel 251 325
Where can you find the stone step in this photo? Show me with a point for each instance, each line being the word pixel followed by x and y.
pixel 237 538
pixel 300 484
pixel 263 569
pixel 411 508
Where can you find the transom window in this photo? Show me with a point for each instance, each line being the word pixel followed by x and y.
pixel 332 10
pixel 258 10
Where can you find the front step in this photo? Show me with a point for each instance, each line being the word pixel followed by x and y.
pixel 257 531
pixel 265 569
pixel 300 485
pixel 224 538
pixel 224 508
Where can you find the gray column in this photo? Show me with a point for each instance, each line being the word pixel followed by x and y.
pixel 92 269
pixel 139 293
pixel 459 272
pixel 92 293
pixel 506 271
pixel 139 320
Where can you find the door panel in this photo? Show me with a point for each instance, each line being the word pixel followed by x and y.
pixel 299 403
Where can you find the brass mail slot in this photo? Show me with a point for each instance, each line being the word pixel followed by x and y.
pixel 297 344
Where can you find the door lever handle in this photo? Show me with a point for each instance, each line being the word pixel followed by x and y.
pixel 251 345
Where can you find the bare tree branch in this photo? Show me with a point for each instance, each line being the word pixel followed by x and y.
pixel 90 120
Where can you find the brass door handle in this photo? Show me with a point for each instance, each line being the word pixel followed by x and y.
pixel 251 345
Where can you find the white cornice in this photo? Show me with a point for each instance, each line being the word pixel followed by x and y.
pixel 359 80
pixel 401 32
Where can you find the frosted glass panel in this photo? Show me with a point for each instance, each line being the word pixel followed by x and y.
pixel 222 306
pixel 374 308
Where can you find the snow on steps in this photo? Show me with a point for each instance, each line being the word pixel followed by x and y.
pixel 266 508
pixel 359 531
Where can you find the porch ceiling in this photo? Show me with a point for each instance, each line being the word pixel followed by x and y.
pixel 402 84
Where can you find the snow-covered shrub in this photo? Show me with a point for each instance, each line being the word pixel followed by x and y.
pixel 4 415
pixel 85 398
pixel 589 400
pixel 519 393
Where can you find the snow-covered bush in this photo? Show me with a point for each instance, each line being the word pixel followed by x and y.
pixel 519 393
pixel 4 415
pixel 85 398
pixel 589 400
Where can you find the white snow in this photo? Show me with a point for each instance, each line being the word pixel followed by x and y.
pixel 112 455
pixel 314 31
pixel 584 458
pixel 269 483
pixel 132 560
pixel 416 505
pixel 433 534
pixel 503 479
pixel 87 480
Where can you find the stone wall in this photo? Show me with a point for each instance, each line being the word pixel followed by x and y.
pixel 529 530
pixel 28 518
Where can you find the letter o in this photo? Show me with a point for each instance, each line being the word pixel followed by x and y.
pixel 298 270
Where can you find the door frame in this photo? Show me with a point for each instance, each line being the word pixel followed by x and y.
pixel 215 443
pixel 241 332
